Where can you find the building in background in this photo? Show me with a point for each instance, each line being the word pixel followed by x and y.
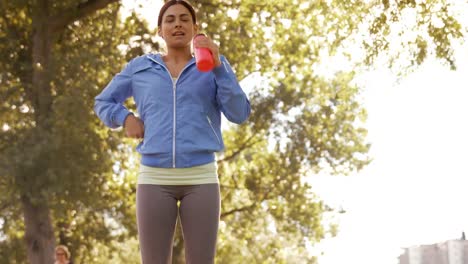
pixel 448 252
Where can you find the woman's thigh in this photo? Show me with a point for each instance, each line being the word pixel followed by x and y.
pixel 156 218
pixel 199 215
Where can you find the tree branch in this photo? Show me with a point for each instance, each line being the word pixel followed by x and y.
pixel 78 12
pixel 263 198
pixel 239 150
pixel 245 208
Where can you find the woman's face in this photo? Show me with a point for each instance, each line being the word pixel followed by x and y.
pixel 60 256
pixel 177 28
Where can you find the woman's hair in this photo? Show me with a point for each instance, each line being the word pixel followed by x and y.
pixel 64 249
pixel 175 2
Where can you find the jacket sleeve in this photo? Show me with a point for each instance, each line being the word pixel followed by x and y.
pixel 108 105
pixel 230 96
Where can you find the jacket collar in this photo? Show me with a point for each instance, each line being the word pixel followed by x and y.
pixel 158 57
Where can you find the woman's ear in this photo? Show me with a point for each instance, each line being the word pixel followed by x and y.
pixel 159 33
pixel 195 29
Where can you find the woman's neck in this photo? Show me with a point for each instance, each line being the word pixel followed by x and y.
pixel 178 55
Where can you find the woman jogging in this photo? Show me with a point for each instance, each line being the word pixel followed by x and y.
pixel 179 125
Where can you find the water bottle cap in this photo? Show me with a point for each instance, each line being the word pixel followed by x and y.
pixel 198 35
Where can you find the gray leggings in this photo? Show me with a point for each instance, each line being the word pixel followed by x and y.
pixel 157 215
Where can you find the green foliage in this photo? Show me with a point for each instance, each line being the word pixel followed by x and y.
pixel 424 28
pixel 12 248
pixel 75 166
pixel 303 121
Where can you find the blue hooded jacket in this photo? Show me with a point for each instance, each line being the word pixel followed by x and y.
pixel 182 118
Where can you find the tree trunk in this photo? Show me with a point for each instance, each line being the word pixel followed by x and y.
pixel 41 53
pixel 39 234
pixel 40 240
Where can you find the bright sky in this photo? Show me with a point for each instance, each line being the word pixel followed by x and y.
pixel 415 190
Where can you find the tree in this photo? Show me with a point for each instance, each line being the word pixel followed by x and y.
pixel 55 156
pixel 320 116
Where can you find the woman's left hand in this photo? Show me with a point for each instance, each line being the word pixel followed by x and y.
pixel 206 42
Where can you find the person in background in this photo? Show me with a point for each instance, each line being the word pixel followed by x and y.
pixel 179 125
pixel 62 255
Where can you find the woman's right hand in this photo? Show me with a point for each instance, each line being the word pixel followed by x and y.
pixel 134 127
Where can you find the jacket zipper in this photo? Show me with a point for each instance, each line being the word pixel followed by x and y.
pixel 174 86
pixel 173 118
pixel 212 128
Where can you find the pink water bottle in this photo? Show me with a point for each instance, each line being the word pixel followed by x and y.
pixel 203 57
